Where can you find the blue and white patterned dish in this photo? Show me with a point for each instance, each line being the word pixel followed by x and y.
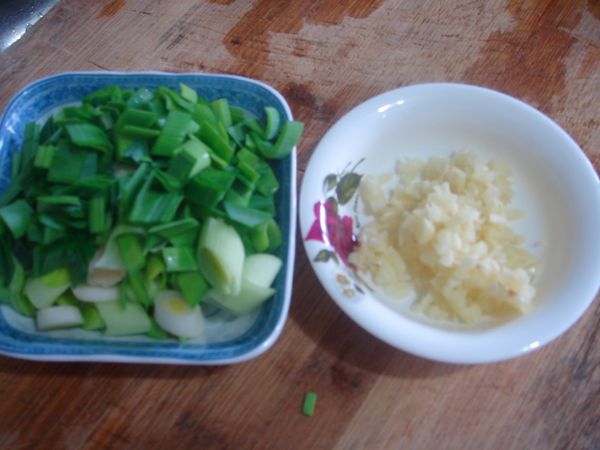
pixel 227 340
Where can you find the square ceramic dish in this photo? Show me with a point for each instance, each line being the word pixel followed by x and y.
pixel 227 340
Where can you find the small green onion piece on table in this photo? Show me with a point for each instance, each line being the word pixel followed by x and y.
pixel 309 403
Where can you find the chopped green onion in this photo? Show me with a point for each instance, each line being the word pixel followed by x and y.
pixel 179 259
pixel 136 150
pixel 17 217
pixel 124 320
pixel 137 118
pixel 249 297
pixel 209 186
pixel 288 137
pixel 189 159
pixel 266 237
pixel 174 101
pixel 45 290
pixel 177 126
pixel 55 317
pixel 261 268
pixel 246 216
pixel 171 229
pixel 203 113
pixel 258 273
pixel 210 134
pixel 17 280
pixel 237 133
pixel 185 239
pixel 264 147
pixel 143 99
pixel 222 112
pixel 176 316
pixel 88 136
pixel 43 157
pixel 67 164
pixel 192 285
pixel 221 256
pixel 133 184
pixel 96 294
pixel 135 132
pixel 110 257
pixel 22 305
pixel 138 287
pixel 92 320
pixel 156 332
pixel 255 126
pixel 187 93
pixel 309 403
pixel 155 207
pixel 58 200
pixel 238 196
pixel 237 114
pixel 262 202
pixel 266 183
pixel 15 297
pixel 155 276
pixel 273 121
pixel 51 235
pixel 67 299
pixel 97 215
pixel 103 95
pixel 131 251
pixel 275 237
pixel 247 174
pixel 167 181
pixel 30 144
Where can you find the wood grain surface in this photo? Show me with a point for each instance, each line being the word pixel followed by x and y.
pixel 325 57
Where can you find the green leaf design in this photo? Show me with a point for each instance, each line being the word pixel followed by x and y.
pixel 326 256
pixel 347 187
pixel 329 182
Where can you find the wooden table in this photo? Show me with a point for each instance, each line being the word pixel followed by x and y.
pixel 325 57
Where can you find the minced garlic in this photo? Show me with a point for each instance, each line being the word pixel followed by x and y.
pixel 443 232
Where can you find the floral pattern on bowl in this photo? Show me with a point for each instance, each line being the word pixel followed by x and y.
pixel 335 227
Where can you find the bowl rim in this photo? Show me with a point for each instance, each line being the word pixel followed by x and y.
pixel 18 349
pixel 373 323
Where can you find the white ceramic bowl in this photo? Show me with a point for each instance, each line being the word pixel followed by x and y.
pixel 554 183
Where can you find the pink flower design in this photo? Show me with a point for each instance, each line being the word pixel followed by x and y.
pixel 332 229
